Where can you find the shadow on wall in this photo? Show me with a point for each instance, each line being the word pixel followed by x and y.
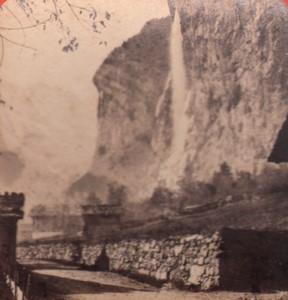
pixel 101 264
pixel 254 261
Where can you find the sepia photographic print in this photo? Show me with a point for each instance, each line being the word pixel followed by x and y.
pixel 143 149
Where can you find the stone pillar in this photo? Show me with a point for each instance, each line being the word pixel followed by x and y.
pixel 100 222
pixel 10 212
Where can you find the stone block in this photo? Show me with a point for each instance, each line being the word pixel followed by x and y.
pixel 216 237
pixel 178 249
pixel 187 267
pixel 172 243
pixel 156 248
pixel 161 274
pixel 204 251
pixel 182 259
pixel 154 262
pixel 200 261
pixel 196 273
pixel 189 238
pixel 208 240
pixel 216 281
pixel 211 271
pixel 146 247
pixel 206 260
pixel 216 271
pixel 200 237
pixel 144 272
pixel 207 284
pixel 153 274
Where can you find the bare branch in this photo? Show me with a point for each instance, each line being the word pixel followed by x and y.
pixel 2 50
pixel 20 23
pixel 26 27
pixel 86 15
pixel 92 14
pixel 76 6
pixel 16 43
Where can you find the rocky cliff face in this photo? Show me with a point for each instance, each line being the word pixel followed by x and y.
pixel 205 86
pixel 236 65
pixel 134 117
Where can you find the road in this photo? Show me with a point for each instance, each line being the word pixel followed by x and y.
pixel 55 281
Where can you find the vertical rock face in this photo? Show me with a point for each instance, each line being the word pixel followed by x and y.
pixel 204 87
pixel 236 66
pixel 134 108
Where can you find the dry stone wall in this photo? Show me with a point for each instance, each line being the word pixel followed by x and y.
pixel 90 254
pixel 189 260
pixel 52 251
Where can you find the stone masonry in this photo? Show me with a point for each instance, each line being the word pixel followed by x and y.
pixel 189 260
pixel 231 259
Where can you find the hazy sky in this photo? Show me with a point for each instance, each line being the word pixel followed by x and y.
pixel 48 102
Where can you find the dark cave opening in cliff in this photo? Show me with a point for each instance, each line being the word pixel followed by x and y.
pixel 279 152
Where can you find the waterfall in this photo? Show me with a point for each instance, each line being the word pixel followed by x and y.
pixel 180 95
pixel 173 167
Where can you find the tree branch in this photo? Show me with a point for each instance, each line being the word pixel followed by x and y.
pixel 20 23
pixel 2 50
pixel 16 43
pixel 26 27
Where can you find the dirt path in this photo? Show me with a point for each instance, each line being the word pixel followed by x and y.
pixel 102 278
pixel 54 281
pixel 177 295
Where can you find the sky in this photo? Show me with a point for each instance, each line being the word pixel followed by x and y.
pixel 48 102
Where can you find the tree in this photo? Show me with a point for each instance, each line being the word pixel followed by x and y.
pixel 192 191
pixel 245 182
pixel 273 178
pixel 224 181
pixel 195 192
pixel 161 196
pixel 29 14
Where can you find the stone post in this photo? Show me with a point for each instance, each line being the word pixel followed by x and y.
pixel 100 221
pixel 10 212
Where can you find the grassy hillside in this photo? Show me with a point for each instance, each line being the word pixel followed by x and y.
pixel 252 211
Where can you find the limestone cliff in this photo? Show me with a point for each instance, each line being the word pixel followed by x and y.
pixel 134 118
pixel 236 64
pixel 205 86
